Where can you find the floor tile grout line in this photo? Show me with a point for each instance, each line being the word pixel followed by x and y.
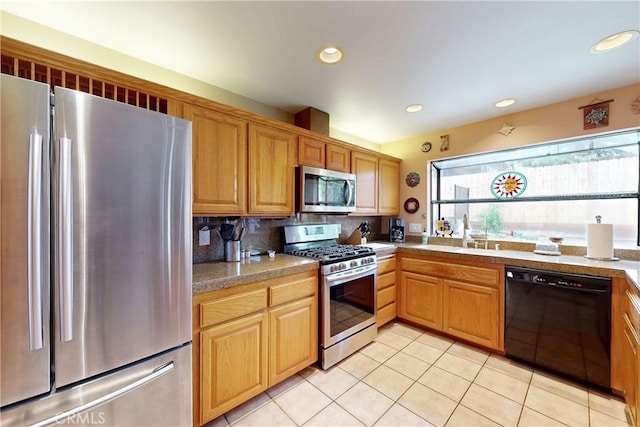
pixel 414 381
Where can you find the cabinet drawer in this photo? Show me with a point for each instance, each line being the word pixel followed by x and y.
pixel 290 291
pixel 386 314
pixel 387 265
pixel 466 273
pixel 228 308
pixel 386 296
pixel 387 279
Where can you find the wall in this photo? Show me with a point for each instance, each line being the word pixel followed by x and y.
pixel 549 123
pixel 265 234
pixel 38 35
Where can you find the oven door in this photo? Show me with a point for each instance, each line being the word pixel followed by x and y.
pixel 348 303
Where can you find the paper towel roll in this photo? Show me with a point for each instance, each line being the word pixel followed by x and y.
pixel 600 241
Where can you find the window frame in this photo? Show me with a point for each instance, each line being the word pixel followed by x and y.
pixel 434 172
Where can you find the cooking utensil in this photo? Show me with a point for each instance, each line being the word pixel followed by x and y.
pixel 237 232
pixel 226 231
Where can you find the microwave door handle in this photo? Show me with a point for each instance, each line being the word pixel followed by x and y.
pixel 349 193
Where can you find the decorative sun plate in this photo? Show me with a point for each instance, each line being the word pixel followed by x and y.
pixel 508 185
pixel 411 205
pixel 412 179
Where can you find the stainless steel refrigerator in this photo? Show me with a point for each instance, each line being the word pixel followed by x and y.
pixel 96 261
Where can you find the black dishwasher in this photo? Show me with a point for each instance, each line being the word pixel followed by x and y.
pixel 560 322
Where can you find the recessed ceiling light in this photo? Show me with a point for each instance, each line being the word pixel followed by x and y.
pixel 613 41
pixel 330 54
pixel 413 108
pixel 505 103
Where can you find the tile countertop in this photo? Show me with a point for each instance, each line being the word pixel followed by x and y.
pixel 217 275
pixel 565 263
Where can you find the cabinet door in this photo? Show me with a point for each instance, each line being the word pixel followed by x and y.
pixel 338 158
pixel 420 299
pixel 365 167
pixel 272 158
pixel 388 187
pixel 293 338
pixel 472 312
pixel 311 152
pixel 631 368
pixel 233 364
pixel 219 162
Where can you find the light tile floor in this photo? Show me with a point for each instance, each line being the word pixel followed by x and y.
pixel 409 377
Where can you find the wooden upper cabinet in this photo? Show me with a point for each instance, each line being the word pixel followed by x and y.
pixel 388 188
pixel 272 158
pixel 219 162
pixel 365 167
pixel 338 158
pixel 311 152
pixel 320 154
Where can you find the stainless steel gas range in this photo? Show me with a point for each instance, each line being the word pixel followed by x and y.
pixel 348 281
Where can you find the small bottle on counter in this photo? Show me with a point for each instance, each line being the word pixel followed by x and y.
pixel 425 237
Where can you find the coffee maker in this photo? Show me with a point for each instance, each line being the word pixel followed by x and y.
pixel 396 230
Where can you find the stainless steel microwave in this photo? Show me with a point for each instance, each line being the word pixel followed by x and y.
pixel 325 191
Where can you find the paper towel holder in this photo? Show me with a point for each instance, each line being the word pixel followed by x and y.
pixel 599 221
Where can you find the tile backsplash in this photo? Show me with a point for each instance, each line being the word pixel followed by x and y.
pixel 266 233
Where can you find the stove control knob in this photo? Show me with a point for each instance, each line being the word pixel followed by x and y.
pixel 354 263
pixel 343 266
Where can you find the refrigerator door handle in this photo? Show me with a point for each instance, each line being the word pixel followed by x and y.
pixel 67 415
pixel 34 242
pixel 65 241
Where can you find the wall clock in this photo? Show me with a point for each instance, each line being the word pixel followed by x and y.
pixel 426 147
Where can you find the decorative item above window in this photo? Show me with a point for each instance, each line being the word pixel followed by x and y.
pixel 635 106
pixel 412 179
pixel 426 147
pixel 595 114
pixel 506 129
pixel 508 185
pixel 444 142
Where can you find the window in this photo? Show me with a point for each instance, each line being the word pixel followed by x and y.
pixel 544 190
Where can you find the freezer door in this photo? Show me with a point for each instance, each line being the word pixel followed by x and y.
pixel 122 208
pixel 24 241
pixel 153 393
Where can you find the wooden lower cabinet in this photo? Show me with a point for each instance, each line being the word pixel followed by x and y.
pixel 238 347
pixel 630 350
pixel 420 299
pixel 464 300
pixel 386 294
pixel 471 312
pixel 250 337
pixel 631 362
pixel 292 347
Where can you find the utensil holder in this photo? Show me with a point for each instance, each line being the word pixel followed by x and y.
pixel 232 251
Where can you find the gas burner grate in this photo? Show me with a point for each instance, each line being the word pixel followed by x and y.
pixel 333 253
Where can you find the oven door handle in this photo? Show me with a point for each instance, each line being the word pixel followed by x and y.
pixel 352 274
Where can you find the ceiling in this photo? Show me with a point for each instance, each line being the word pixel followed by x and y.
pixel 455 58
